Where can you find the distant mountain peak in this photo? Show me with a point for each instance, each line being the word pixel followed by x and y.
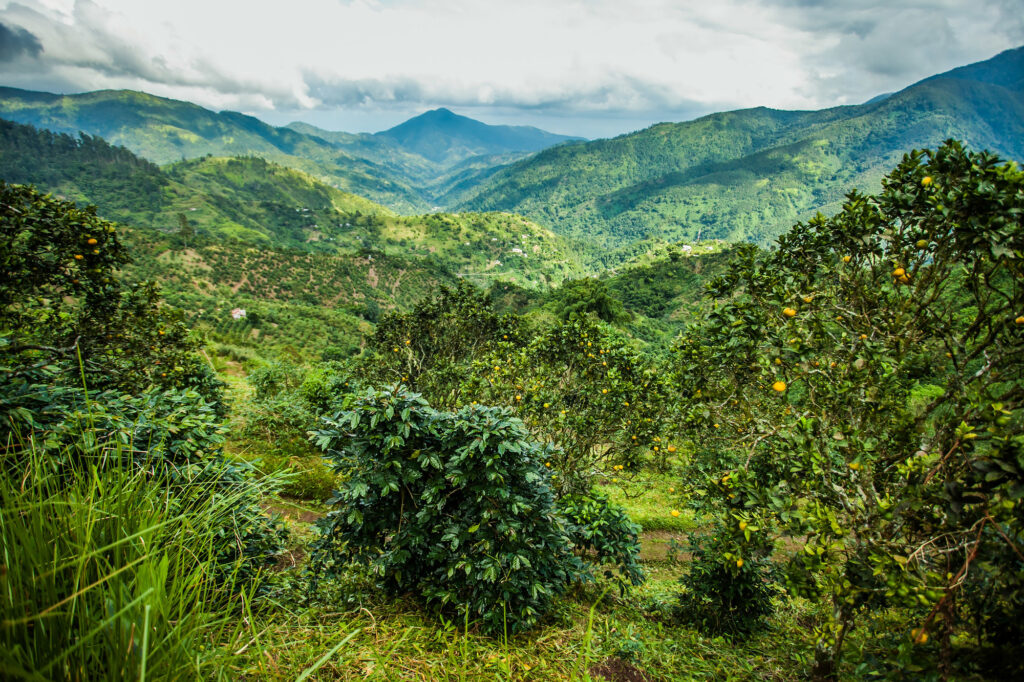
pixel 445 137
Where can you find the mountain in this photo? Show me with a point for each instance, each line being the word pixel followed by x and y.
pixel 447 138
pixel 164 130
pixel 253 202
pixel 750 174
pixel 405 168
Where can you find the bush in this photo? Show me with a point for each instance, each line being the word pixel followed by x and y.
pixel 603 532
pixel 452 506
pixel 173 436
pixel 724 593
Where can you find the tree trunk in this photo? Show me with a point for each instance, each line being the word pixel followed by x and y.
pixel 828 652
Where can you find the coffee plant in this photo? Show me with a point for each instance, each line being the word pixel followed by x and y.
pixel 454 507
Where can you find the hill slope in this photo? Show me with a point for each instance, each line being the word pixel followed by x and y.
pixel 404 168
pixel 165 130
pixel 750 174
pixel 250 201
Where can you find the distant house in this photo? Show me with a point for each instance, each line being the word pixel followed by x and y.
pixel 238 314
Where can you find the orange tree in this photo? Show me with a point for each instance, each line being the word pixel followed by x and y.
pixel 431 348
pixel 866 381
pixel 585 388
pixel 65 311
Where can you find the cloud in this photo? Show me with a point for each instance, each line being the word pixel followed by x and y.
pixel 878 45
pixel 16 42
pixel 652 59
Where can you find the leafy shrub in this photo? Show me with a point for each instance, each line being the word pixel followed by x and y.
pixel 725 593
pixel 604 532
pixel 453 506
pixel 175 436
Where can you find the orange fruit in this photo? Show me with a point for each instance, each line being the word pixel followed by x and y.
pixel 675 512
pixel 788 312
pixel 92 242
pixel 926 180
pixel 846 259
pixel 779 386
pixel 899 272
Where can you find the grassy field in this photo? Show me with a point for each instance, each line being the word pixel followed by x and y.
pixel 354 632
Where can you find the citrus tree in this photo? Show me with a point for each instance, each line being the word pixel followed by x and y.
pixel 861 386
pixel 585 388
pixel 64 307
pixel 431 348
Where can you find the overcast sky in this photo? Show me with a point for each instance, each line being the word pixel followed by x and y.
pixel 588 67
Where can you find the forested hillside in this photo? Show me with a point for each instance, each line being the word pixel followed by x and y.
pixel 403 167
pixel 748 175
pixel 314 266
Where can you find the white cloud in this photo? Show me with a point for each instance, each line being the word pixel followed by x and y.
pixel 547 59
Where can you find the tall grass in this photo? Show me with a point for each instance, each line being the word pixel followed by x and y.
pixel 107 574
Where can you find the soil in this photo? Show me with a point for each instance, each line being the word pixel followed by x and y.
pixel 617 670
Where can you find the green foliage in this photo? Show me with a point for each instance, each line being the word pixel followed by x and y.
pixel 603 532
pixel 453 506
pixel 586 389
pixel 175 435
pixel 581 297
pixel 288 401
pixel 63 305
pixel 725 593
pixel 818 350
pixel 432 348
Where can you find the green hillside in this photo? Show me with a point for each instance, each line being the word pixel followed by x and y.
pixel 165 130
pixel 252 202
pixel 439 152
pixel 406 168
pixel 748 175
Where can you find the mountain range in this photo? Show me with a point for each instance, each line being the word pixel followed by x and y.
pixel 750 174
pixel 738 175
pixel 404 167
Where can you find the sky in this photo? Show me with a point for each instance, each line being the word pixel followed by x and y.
pixel 594 68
